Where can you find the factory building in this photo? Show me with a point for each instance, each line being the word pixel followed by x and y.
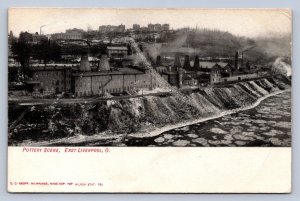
pixel 87 79
pixel 70 34
pixel 212 69
pixel 184 73
pixel 50 79
pixel 117 52
pixel 136 27
pixel 108 80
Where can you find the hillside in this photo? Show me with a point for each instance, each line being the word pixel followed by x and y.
pixel 214 43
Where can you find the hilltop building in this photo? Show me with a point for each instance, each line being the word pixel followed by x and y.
pixel 136 27
pixel 165 27
pixel 70 34
pixel 112 28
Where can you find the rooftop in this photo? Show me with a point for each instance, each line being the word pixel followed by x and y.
pixel 222 64
pixel 120 71
pixel 52 66
pixel 116 48
pixel 90 59
pixel 207 64
pixel 170 73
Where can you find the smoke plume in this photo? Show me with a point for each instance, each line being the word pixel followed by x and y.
pixel 279 66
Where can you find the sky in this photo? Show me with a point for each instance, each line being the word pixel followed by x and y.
pixel 241 22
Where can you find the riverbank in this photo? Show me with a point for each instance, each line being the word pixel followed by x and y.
pixel 80 140
pixel 166 128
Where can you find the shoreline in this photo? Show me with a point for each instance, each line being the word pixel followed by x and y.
pixel 183 124
pixel 103 136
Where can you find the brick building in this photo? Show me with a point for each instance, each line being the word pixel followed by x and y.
pixel 82 80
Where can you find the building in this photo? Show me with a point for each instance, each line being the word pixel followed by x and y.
pixel 82 80
pixel 119 52
pixel 108 80
pixel 58 36
pixel 70 34
pixel 25 37
pixel 111 28
pixel 121 28
pixel 190 80
pixel 157 27
pixel 67 36
pixel 165 27
pixel 173 74
pixel 212 69
pixel 150 27
pixel 37 38
pixel 172 77
pixel 136 27
pixel 75 30
pixel 50 79
pixel 227 69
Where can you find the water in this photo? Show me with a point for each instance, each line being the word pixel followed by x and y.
pixel 269 124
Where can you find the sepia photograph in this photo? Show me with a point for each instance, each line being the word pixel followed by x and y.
pixel 91 77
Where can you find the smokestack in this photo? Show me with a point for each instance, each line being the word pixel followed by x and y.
pixel 242 60
pixel 236 60
pixel 177 63
pixel 187 64
pixel 248 65
pixel 180 75
pixel 196 63
pixel 158 60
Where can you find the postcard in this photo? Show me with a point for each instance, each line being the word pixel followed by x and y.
pixel 164 100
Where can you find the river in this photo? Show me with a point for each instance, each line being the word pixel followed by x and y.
pixel 269 124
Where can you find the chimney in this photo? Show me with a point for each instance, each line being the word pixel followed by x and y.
pixel 177 63
pixel 180 75
pixel 158 60
pixel 187 64
pixel 196 63
pixel 248 65
pixel 242 60
pixel 236 60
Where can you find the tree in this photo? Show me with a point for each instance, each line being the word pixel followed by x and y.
pixel 55 53
pixel 47 50
pixel 22 52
